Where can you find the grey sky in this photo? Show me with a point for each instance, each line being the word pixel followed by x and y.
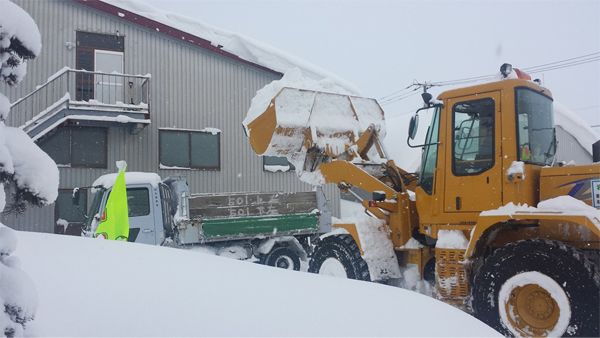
pixel 382 46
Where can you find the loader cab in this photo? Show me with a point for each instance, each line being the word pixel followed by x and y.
pixel 472 142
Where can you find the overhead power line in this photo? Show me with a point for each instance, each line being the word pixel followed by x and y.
pixel 566 63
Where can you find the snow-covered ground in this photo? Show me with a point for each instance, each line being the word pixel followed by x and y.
pixel 101 288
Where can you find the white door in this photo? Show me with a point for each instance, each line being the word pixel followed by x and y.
pixel 109 87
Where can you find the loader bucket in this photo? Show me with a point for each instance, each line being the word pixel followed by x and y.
pixel 297 118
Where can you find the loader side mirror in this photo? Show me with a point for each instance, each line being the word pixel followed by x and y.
pixel 413 126
pixel 426 98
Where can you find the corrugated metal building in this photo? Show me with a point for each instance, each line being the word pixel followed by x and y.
pixel 177 110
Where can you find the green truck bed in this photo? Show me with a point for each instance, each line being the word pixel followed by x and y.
pixel 219 217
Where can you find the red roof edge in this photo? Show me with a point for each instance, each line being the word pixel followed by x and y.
pixel 161 28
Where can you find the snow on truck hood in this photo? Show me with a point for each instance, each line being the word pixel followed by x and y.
pixel 107 181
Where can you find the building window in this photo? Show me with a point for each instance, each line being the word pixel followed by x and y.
pixel 276 163
pixel 77 147
pixel 189 149
pixel 69 214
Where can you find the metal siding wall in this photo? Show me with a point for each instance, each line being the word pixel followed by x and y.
pixel 568 149
pixel 190 88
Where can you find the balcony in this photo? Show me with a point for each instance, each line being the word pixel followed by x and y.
pixel 85 98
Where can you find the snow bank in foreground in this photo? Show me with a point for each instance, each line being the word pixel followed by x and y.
pixel 18 295
pixel 141 290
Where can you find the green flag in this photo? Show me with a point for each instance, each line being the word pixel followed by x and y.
pixel 114 223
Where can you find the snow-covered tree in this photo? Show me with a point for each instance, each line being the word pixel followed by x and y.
pixel 22 164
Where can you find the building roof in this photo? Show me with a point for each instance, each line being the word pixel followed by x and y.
pixel 226 43
pixel 164 29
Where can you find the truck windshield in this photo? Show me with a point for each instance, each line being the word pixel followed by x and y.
pixel 429 159
pixel 94 208
pixel 535 125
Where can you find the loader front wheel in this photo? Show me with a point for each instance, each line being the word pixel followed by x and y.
pixel 538 288
pixel 282 257
pixel 339 256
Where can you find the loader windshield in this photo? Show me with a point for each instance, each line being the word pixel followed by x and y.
pixel 535 125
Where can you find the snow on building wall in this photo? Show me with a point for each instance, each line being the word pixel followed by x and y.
pixel 192 89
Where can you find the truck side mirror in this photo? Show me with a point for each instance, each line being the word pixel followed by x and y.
pixel 412 126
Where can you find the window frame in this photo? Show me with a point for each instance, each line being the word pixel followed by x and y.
pixel 493 138
pixel 82 195
pixel 189 132
pixel 103 165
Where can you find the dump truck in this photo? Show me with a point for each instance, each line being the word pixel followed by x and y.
pixel 503 231
pixel 276 228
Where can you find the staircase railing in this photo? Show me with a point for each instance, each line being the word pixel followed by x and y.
pixel 83 88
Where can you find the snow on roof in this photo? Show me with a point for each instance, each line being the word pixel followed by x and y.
pixel 242 46
pixel 575 125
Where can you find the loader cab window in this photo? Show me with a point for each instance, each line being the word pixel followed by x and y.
pixel 535 125
pixel 473 137
pixel 429 159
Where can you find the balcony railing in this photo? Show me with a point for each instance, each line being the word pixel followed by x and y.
pixel 81 89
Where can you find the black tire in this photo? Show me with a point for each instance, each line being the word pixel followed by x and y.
pixel 344 250
pixel 530 305
pixel 282 257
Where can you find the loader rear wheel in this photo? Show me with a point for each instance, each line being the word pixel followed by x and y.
pixel 339 256
pixel 538 288
pixel 282 257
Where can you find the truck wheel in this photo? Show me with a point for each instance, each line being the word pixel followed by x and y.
pixel 282 257
pixel 538 288
pixel 339 256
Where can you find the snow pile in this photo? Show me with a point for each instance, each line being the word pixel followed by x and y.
pixel 18 34
pixel 242 46
pixel 516 168
pixel 299 112
pixel 566 205
pixel 377 246
pixel 294 78
pixel 18 295
pixel 411 280
pixel 211 296
pixel 451 239
pixel 32 169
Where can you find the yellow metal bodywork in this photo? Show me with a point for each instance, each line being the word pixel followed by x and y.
pixel 572 180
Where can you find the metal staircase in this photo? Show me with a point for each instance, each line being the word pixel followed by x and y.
pixel 84 98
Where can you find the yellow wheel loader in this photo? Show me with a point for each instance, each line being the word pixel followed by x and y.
pixel 510 236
